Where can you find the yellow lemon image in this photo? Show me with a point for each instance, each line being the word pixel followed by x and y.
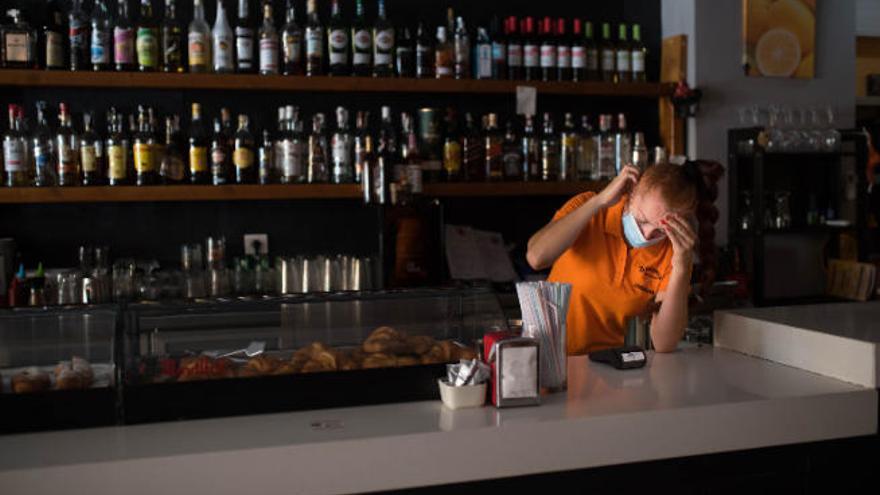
pixel 758 19
pixel 797 17
pixel 778 53
pixel 807 67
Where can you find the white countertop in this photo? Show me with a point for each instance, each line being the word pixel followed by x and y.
pixel 695 401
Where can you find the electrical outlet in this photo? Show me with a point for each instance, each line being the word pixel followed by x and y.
pixel 251 239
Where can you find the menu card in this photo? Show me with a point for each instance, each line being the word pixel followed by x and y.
pixel 477 255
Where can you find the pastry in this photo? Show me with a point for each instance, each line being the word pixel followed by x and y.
pixel 261 365
pixel 287 369
pixel 82 367
pixel 379 360
pixel 351 360
pixel 419 344
pixel 204 368
pixel 385 340
pixel 314 357
pixel 30 380
pixel 314 366
pixel 75 374
pixel 408 360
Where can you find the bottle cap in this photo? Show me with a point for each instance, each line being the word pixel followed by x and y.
pixel 21 273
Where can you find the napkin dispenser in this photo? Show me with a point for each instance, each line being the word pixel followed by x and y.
pixel 514 362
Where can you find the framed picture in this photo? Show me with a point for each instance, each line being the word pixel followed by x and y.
pixel 779 38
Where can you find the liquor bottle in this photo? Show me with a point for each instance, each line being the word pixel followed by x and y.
pixel 386 156
pixel 549 68
pixel 363 146
pixel 462 50
pixel 531 150
pixel 15 150
pixel 245 61
pixel 473 162
pixel 314 41
pixel 592 73
pixel 531 51
pixel 586 159
pixel 608 55
pixel 622 144
pixel 605 149
pixel 383 47
pixel 128 137
pixel 361 43
pixel 512 155
pixel 407 147
pixel 444 56
pixel 53 42
pixel 294 151
pixel 101 44
pixel 172 39
pixel 91 153
pixel 227 131
pixel 568 150
pixel 563 52
pixel 266 159
pixel 405 54
pixel 549 151
pixel 269 43
pixel 638 52
pixel 19 43
pixel 123 38
pixel 484 57
pixel 172 169
pixel 640 152
pixel 292 39
pixel 117 155
pixel 66 147
pixel 514 50
pixel 147 43
pixel 451 148
pixel 411 178
pixel 243 154
pixel 317 170
pixel 578 52
pixel 78 34
pixel 199 40
pixel 223 57
pixel 198 148
pixel 624 56
pixel 341 149
pixel 43 150
pixel 499 49
pixel 220 166
pixel 494 150
pixel 424 52
pixel 337 42
pixel 145 151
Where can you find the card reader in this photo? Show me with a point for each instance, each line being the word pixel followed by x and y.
pixel 622 358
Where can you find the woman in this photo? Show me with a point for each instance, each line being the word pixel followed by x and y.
pixel 624 250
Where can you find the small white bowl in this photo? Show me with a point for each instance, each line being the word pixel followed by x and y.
pixel 462 397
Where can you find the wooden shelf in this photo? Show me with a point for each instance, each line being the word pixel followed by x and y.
pixel 253 82
pixel 133 194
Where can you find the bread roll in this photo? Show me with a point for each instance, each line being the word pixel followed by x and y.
pixel 30 380
pixel 379 360
pixel 420 344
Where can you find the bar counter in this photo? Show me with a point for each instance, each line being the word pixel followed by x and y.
pixel 699 400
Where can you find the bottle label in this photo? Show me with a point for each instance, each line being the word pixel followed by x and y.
pixel 293 155
pixel 269 55
pixel 77 34
pixel 638 61
pixel 548 56
pixel 243 158
pixel 338 41
pixel 223 59
pixel 484 61
pixel 592 59
pixel 88 158
pixel 198 49
pixel 315 42
pixel 512 162
pixel 515 55
pixel 171 47
pixel 363 42
pixel 563 57
pixel 578 57
pixel 414 178
pixel 292 49
pixel 100 47
pixel 123 45
pixel 42 159
pixel 452 156
pixel 499 53
pixel 147 47
pixel 172 167
pixel 384 46
pixel 54 49
pixel 531 55
pixel 244 47
pixel 623 61
pixel 143 158
pixel 608 59
pixel 444 70
pixel 341 152
pixel 13 155
pixel 16 47
pixel 66 160
pixel 116 157
pixel 198 159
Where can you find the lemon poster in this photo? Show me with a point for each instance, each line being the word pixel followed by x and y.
pixel 779 38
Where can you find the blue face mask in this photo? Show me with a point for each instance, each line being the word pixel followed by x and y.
pixel 633 233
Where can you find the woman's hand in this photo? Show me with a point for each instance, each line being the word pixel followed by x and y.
pixel 683 239
pixel 623 183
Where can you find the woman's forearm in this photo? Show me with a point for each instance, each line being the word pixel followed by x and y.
pixel 667 326
pixel 551 241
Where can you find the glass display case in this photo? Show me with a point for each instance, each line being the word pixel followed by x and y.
pixel 57 368
pixel 208 359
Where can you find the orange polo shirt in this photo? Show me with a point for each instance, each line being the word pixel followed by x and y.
pixel 610 281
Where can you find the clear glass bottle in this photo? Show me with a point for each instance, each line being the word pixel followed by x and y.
pixel 199 40
pixel 383 46
pixel 318 171
pixel 294 149
pixel 245 37
pixel 91 153
pixel 15 150
pixel 494 150
pixel 172 39
pixel 172 170
pixel 624 55
pixel 568 150
pixel 101 42
pixel 292 43
pixel 531 150
pixel 622 144
pixel 147 42
pixel 243 154
pixel 67 149
pixel 586 160
pixel 549 151
pixel 605 149
pixel 268 43
pixel 512 154
pixel 341 146
pixel 78 35
pixel 223 58
pixel 640 152
pixel 338 43
pixel 361 42
pixel 314 41
pixel 43 150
